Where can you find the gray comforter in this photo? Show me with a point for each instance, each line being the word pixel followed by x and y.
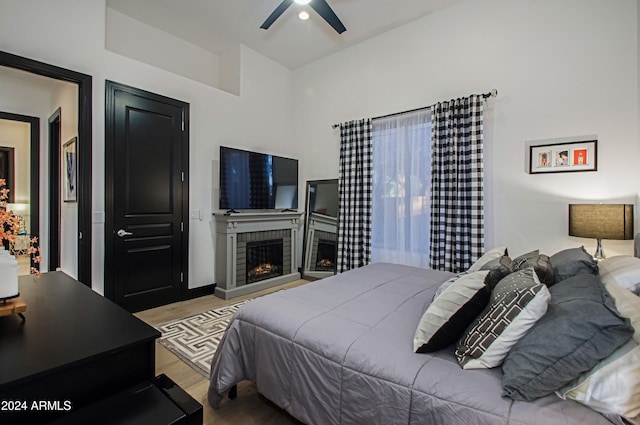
pixel 339 351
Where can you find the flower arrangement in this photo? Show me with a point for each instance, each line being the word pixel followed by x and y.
pixel 10 228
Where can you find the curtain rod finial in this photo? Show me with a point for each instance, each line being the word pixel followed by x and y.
pixel 494 93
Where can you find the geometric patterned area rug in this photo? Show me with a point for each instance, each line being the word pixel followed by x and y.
pixel 194 339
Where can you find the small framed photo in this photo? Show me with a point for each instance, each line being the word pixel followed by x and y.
pixel 564 157
pixel 69 171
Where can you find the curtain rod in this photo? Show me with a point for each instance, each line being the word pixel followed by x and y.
pixel 492 93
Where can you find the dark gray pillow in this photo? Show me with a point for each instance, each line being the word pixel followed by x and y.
pixel 501 267
pixel 521 259
pixel 498 268
pixel 572 262
pixel 580 328
pixel 542 265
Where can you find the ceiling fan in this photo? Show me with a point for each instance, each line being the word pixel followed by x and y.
pixel 319 6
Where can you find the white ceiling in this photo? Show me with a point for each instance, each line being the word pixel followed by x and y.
pixel 216 25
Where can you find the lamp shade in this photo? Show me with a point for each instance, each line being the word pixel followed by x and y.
pixel 601 221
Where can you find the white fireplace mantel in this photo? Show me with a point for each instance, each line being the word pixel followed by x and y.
pixel 228 228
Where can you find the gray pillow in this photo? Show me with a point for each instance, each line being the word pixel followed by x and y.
pixel 580 328
pixel 572 262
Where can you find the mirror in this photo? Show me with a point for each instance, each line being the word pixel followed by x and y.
pixel 321 228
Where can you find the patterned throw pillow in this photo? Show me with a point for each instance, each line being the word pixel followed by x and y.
pixel 517 302
pixel 451 312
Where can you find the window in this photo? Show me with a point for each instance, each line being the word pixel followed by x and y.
pixel 401 187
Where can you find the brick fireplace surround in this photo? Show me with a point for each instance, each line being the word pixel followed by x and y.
pixel 232 233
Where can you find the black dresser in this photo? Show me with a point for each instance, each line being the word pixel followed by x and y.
pixel 75 350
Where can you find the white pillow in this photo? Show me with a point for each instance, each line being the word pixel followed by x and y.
pixel 449 315
pixel 613 385
pixel 622 270
pixel 492 254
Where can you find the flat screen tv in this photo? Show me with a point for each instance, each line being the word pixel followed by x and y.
pixel 252 180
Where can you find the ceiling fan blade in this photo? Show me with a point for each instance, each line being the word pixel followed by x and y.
pixel 276 14
pixel 324 10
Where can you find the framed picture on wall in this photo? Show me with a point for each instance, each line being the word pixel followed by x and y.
pixel 69 171
pixel 563 157
pixel 7 158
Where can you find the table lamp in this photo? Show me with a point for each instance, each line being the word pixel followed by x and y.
pixel 601 221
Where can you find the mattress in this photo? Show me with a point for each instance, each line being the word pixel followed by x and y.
pixel 339 351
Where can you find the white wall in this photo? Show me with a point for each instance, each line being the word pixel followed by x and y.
pixel 66 98
pixel 561 69
pixel 132 38
pixel 71 34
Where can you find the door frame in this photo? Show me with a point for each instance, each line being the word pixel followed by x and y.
pixel 55 144
pixel 111 88
pixel 84 148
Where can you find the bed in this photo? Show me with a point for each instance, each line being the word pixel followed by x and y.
pixel 339 351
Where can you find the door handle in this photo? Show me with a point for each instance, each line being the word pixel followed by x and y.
pixel 122 233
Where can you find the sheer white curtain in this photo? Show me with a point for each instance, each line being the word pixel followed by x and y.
pixel 401 189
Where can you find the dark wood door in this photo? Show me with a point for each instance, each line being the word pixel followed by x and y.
pixel 147 158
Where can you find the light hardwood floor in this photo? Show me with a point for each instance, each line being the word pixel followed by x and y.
pixel 249 408
pixel 24 265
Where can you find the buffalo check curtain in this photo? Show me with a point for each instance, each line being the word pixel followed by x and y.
pixel 354 193
pixel 457 210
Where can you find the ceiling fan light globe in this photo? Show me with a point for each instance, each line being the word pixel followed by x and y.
pixel 303 15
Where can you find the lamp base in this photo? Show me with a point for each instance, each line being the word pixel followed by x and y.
pixel 599 255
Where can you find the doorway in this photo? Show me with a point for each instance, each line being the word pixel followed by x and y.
pixel 147 197
pixel 84 149
pixel 29 211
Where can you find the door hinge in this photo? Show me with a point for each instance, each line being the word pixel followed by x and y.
pixel 182 226
pixel 182 176
pixel 181 277
pixel 183 120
